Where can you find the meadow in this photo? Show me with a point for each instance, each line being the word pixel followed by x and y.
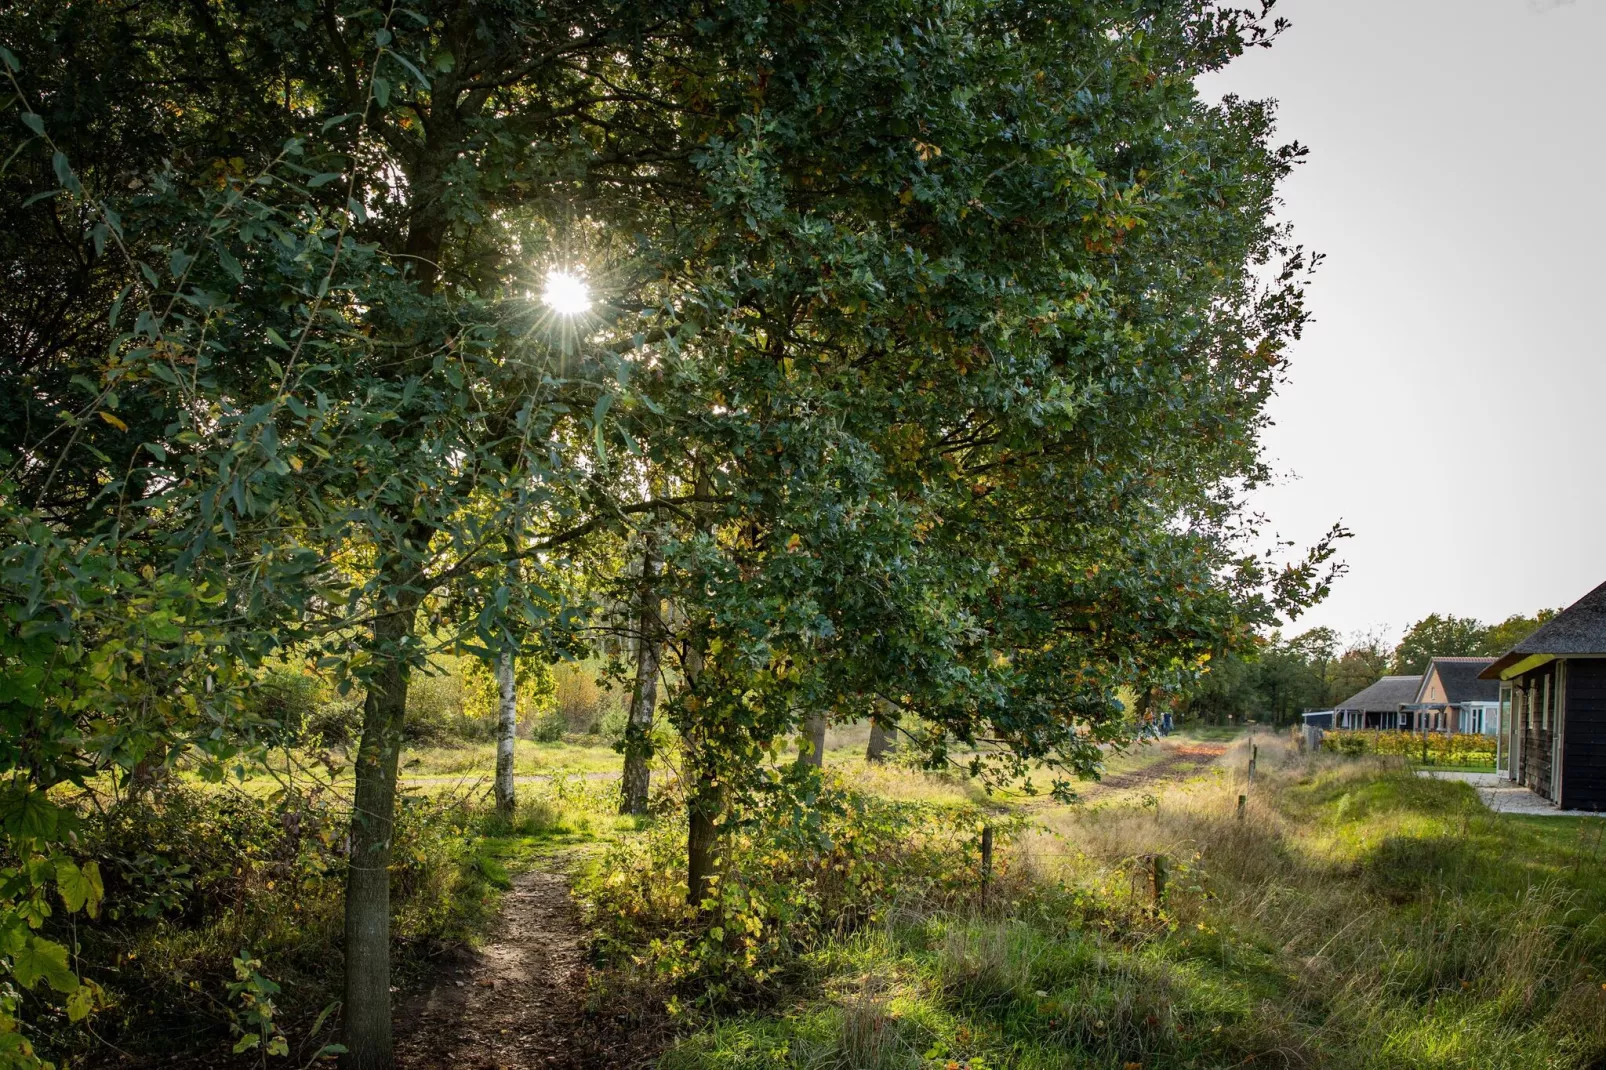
pixel 1354 915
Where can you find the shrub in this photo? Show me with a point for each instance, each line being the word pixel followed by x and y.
pixel 582 698
pixel 795 877
pixel 193 875
pixel 549 727
pixel 1431 749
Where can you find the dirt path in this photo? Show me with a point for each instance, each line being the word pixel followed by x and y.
pixel 1183 760
pixel 519 1003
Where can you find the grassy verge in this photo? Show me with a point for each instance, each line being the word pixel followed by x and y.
pixel 1359 916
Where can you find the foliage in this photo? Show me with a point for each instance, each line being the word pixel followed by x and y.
pixel 1447 635
pixel 1438 636
pixel 1434 748
pixel 935 339
pixel 800 871
pixel 194 874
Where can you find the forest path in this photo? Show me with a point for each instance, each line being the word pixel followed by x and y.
pixel 519 1003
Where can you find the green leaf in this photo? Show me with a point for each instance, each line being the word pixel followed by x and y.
pixel 28 813
pixel 34 123
pixel 445 62
pixel 64 173
pixel 382 91
pixel 231 265
pixel 80 1003
pixel 247 1042
pixel 81 889
pixel 46 960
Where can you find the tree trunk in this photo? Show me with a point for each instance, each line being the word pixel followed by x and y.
pixel 811 744
pixel 702 839
pixel 507 726
pixel 644 699
pixel 366 1013
pixel 876 749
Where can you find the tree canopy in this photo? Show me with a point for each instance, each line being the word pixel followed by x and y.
pixel 932 344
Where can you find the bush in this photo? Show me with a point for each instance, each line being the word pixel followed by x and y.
pixel 549 727
pixel 581 699
pixel 194 875
pixel 435 712
pixel 613 726
pixel 1431 749
pixel 796 878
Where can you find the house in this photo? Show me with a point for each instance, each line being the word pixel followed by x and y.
pixel 1318 718
pixel 1553 706
pixel 1378 706
pixel 1453 698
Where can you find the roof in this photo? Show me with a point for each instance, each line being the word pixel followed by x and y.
pixel 1385 696
pixel 1578 629
pixel 1461 681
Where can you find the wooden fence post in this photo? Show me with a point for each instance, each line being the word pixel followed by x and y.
pixel 1242 800
pixel 986 859
pixel 1158 872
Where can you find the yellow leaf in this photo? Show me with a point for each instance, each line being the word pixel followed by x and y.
pixel 114 421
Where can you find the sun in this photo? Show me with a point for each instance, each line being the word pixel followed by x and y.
pixel 566 293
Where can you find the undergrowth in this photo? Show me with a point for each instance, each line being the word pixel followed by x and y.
pixel 1355 916
pixel 197 878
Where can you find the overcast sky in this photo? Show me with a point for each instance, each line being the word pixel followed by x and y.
pixel 1449 402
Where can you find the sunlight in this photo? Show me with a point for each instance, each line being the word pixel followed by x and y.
pixel 566 293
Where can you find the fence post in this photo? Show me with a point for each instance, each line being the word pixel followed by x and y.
pixel 1254 756
pixel 1242 799
pixel 986 859
pixel 1158 872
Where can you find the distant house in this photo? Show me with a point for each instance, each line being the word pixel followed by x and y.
pixel 1454 698
pixel 1553 706
pixel 1379 706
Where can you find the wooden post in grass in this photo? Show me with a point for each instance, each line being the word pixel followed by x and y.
pixel 1254 755
pixel 1158 872
pixel 1242 802
pixel 986 859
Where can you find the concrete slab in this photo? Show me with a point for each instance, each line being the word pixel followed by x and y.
pixel 1504 797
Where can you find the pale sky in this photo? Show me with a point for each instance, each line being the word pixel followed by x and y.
pixel 1449 402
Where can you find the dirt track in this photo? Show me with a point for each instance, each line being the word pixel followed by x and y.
pixel 520 1003
pixel 1183 760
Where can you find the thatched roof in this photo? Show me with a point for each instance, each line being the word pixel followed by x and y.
pixel 1579 629
pixel 1385 696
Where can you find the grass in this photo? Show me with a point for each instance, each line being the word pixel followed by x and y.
pixel 1359 916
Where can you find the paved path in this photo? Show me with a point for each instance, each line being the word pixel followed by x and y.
pixel 1504 797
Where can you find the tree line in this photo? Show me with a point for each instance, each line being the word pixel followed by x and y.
pixel 922 372
pixel 1281 677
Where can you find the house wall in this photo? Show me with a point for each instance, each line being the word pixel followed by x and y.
pixel 1537 730
pixel 1432 691
pixel 1583 782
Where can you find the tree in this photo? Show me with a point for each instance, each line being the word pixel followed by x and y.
pixel 1436 636
pixel 1367 658
pixel 637 743
pixel 934 340
pixel 1499 638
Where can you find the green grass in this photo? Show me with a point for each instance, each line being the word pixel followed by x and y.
pixel 1360 917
